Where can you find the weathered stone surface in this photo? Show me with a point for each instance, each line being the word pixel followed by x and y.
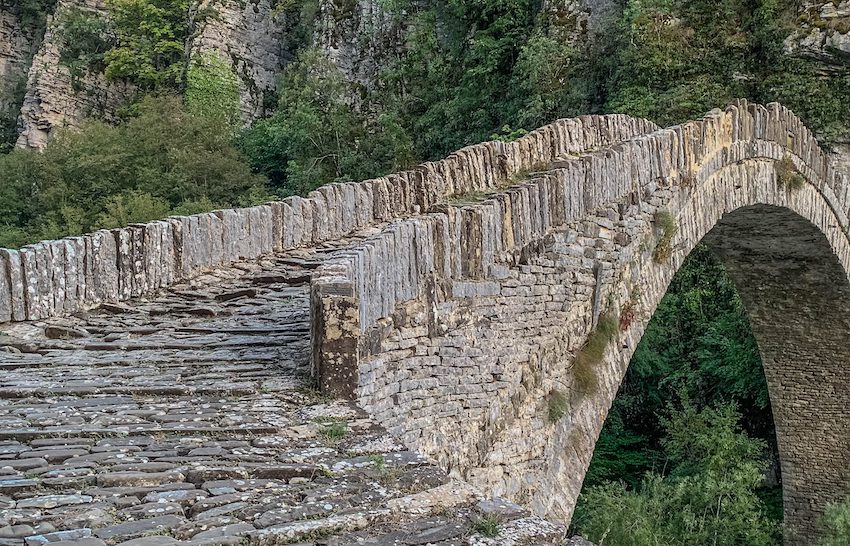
pixel 469 317
pixel 51 99
pixel 199 431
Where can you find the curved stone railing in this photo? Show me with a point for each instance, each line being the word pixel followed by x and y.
pixel 54 278
pixel 355 295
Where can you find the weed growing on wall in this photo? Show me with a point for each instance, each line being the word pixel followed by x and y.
pixel 558 405
pixel 787 175
pixel 664 248
pixel 585 376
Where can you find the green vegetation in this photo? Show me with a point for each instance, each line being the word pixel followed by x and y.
pixel 488 526
pixel 673 442
pixel 835 524
pixel 315 137
pixel 86 39
pixel 151 38
pixel 31 13
pixel 664 247
pixel 787 174
pixel 590 355
pixel 212 89
pixel 558 405
pixel 332 428
pixel 708 495
pixel 161 161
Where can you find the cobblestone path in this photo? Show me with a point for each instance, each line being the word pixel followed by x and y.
pixel 188 418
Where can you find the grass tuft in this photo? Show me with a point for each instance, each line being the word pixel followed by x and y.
pixel 558 405
pixel 488 526
pixel 664 247
pixel 590 356
pixel 787 175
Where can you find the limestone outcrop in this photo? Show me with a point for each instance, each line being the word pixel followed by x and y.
pixel 54 98
pixel 16 49
pixel 823 35
pixel 252 36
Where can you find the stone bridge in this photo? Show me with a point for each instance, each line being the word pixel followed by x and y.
pixel 157 376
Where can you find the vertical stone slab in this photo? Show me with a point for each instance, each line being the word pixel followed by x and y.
pixel 277 225
pixel 75 277
pixel 56 271
pixel 103 276
pixel 178 224
pixel 17 286
pixel 5 291
pixel 124 260
pixel 335 332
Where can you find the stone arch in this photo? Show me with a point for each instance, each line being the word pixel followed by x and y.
pixel 787 255
pixel 512 287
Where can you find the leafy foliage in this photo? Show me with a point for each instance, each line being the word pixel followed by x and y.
pixel 86 38
pixel 163 160
pixel 212 89
pixel 710 496
pixel 315 137
pixel 31 13
pixel 151 41
pixel 835 524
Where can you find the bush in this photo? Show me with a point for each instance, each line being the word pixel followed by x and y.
pixel 709 497
pixel 212 89
pixel 160 161
pixel 835 524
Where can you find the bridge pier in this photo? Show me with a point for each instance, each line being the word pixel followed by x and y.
pixel 797 295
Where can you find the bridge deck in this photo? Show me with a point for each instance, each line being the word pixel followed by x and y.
pixel 187 418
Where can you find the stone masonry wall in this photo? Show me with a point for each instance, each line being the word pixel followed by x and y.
pixel 53 278
pixel 455 328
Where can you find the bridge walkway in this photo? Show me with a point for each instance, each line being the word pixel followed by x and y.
pixel 188 418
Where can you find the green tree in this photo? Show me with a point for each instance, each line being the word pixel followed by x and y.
pixel 151 41
pixel 163 160
pixel 316 136
pixel 835 524
pixel 708 498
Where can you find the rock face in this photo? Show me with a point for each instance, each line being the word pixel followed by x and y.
pixel 357 35
pixel 824 35
pixel 16 49
pixel 253 37
pixel 53 99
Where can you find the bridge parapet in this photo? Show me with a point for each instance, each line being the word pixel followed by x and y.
pixel 55 278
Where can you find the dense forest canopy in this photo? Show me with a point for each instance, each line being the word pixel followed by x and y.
pixel 692 423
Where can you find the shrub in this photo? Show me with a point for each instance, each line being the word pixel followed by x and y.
pixel 212 89
pixel 835 524
pixel 558 405
pixel 590 355
pixel 664 247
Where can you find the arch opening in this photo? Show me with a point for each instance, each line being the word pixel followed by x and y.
pixel 772 341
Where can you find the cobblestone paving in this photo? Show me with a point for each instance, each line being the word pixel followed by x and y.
pixel 189 419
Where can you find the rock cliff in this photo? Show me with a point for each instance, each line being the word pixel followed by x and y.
pixel 56 99
pixel 823 35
